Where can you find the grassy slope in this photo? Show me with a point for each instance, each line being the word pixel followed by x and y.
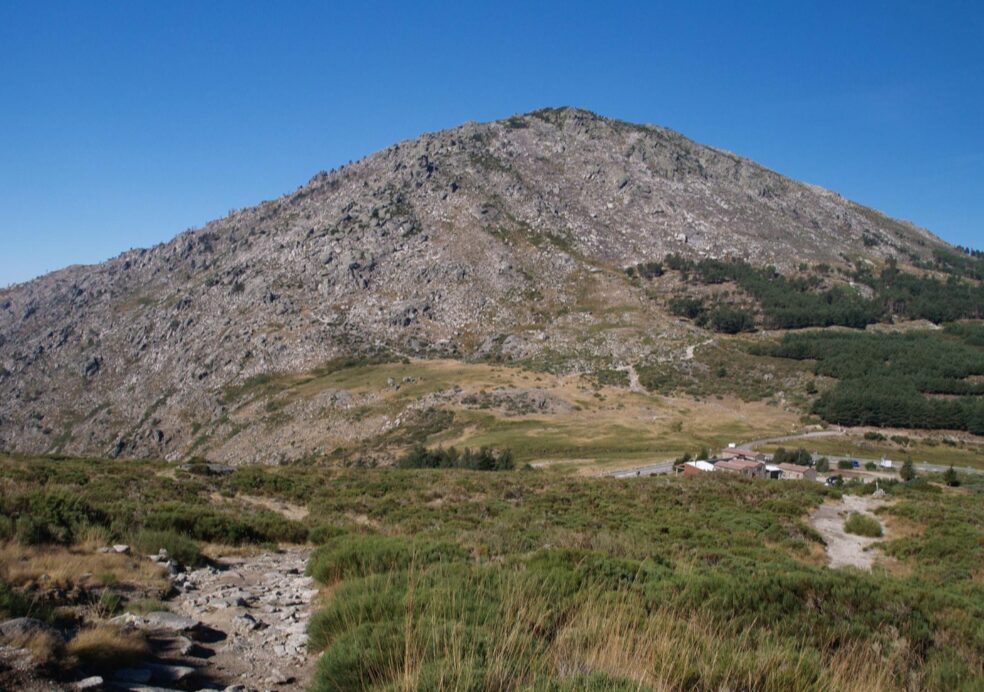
pixel 547 580
pixel 553 582
pixel 720 392
pixel 585 420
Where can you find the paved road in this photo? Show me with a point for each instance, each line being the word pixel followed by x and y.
pixel 923 466
pixel 795 436
pixel 662 467
pixel 649 470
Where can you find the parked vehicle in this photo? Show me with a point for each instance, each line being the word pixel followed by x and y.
pixel 834 480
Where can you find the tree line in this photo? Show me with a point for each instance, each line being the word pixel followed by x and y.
pixel 802 301
pixel 894 380
pixel 484 459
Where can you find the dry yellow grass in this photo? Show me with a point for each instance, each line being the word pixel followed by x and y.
pixel 607 425
pixel 103 648
pixel 668 651
pixel 66 567
pixel 661 650
pixel 899 527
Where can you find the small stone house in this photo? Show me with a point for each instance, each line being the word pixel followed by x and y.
pixel 743 467
pixel 795 472
pixel 742 455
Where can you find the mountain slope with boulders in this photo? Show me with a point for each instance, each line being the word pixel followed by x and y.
pixel 505 240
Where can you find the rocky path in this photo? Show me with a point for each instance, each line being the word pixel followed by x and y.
pixel 259 607
pixel 846 549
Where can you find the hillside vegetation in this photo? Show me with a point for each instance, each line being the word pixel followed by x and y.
pixel 912 380
pixel 518 579
pixel 824 296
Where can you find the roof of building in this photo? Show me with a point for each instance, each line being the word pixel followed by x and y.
pixel 701 465
pixel 740 454
pixel 748 463
pixel 793 468
pixel 734 465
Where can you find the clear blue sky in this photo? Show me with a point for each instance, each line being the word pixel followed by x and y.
pixel 123 123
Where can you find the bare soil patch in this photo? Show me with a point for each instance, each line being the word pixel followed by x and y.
pixel 847 549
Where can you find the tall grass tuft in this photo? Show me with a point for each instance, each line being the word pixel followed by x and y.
pixel 863 525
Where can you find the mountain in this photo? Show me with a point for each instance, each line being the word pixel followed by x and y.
pixel 500 240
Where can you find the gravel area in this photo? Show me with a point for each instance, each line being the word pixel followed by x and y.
pixel 846 549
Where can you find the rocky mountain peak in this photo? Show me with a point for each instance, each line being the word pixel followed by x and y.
pixel 509 235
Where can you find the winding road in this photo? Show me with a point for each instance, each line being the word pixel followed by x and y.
pixel 666 466
pixel 923 466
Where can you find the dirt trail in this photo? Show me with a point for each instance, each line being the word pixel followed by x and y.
pixel 689 352
pixel 846 549
pixel 261 603
pixel 634 384
pixel 284 509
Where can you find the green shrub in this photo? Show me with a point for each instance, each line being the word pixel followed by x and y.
pixel 322 533
pixel 108 579
pixel 109 603
pixel 363 658
pixel 646 270
pixel 7 528
pixel 373 599
pixel 180 548
pixel 950 549
pixel 610 377
pixel 731 320
pixel 908 471
pixel 485 459
pixel 361 555
pixel 509 580
pixel 33 531
pixel 207 524
pixel 950 477
pixel 50 516
pixel 800 457
pixel 863 525
pixel 687 306
pixel 12 604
